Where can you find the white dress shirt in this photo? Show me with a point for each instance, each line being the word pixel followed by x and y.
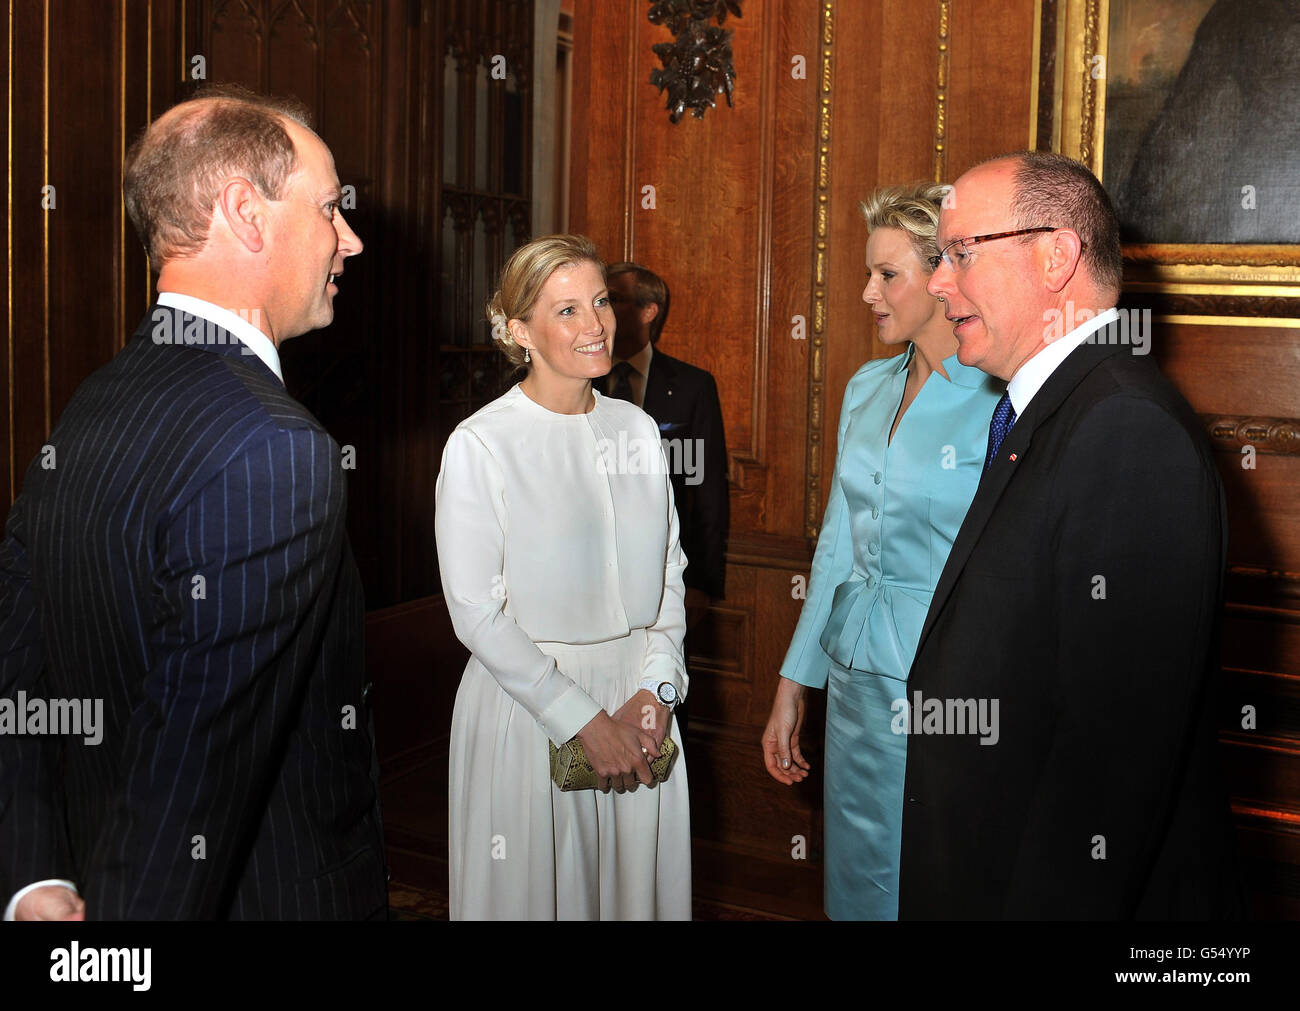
pixel 250 336
pixel 1029 378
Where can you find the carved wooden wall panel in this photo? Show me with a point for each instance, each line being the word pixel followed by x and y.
pixel 237 39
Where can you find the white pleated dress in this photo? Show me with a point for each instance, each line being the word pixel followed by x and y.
pixel 560 562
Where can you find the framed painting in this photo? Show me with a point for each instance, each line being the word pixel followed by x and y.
pixel 1185 109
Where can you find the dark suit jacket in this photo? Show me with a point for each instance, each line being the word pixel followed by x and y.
pixel 185 560
pixel 1106 691
pixel 683 400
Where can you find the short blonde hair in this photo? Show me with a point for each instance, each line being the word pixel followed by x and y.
pixel 522 279
pixel 914 208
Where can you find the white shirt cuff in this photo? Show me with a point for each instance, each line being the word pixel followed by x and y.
pixel 18 895
pixel 568 714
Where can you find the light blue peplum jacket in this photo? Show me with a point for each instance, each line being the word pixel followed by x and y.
pixel 891 517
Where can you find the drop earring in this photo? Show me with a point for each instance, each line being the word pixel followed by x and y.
pixel 527 356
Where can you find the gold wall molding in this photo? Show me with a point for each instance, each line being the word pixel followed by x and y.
pixel 633 198
pixel 120 293
pixel 1189 319
pixel 941 95
pixel 1094 98
pixel 754 459
pixel 1276 436
pixel 9 243
pixel 45 217
pixel 821 271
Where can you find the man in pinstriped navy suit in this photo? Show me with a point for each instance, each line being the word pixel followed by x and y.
pixel 178 551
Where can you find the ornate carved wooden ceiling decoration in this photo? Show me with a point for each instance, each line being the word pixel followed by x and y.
pixel 697 63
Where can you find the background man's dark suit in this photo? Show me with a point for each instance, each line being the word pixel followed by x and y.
pixel 224 699
pixel 683 400
pixel 1107 719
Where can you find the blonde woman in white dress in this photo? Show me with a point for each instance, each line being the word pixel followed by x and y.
pixel 557 543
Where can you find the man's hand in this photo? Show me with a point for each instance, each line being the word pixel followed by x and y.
pixel 647 714
pixel 51 902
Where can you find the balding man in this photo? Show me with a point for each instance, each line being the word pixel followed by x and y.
pixel 1061 755
pixel 178 558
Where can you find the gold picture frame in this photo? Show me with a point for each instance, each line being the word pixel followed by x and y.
pixel 1068 114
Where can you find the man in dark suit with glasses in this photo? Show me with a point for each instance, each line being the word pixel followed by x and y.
pixel 1080 603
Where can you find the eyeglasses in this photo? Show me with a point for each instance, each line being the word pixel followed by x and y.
pixel 960 257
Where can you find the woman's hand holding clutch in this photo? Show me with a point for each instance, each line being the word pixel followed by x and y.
pixel 785 762
pixel 648 714
pixel 618 751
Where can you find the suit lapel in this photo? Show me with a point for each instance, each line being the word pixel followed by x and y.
pixel 1011 456
pixel 991 486
pixel 659 387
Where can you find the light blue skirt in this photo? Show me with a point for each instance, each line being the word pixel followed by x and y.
pixel 865 762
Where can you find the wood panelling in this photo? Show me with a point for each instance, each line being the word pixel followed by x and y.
pixel 81 78
pixel 414 662
pixel 1231 374
pixel 1244 381
pixel 1212 364
pixel 736 278
pixel 992 61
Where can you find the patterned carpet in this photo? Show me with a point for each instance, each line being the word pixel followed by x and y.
pixel 406 902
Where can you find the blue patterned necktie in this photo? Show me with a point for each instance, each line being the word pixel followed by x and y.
pixel 1004 416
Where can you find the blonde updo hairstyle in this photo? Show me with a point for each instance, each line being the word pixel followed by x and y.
pixel 914 208
pixel 522 280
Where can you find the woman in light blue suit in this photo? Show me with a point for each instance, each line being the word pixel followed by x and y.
pixel 912 438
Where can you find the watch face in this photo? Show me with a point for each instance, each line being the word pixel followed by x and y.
pixel 667 693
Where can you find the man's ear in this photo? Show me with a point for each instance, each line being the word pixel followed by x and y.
pixel 244 211
pixel 648 312
pixel 1061 257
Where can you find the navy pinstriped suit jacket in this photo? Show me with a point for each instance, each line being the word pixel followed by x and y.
pixel 224 696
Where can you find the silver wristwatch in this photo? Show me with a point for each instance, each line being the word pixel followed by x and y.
pixel 664 691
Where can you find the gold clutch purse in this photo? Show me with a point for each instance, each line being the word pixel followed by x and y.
pixel 570 769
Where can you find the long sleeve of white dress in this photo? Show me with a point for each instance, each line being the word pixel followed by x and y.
pixel 470 528
pixel 664 659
